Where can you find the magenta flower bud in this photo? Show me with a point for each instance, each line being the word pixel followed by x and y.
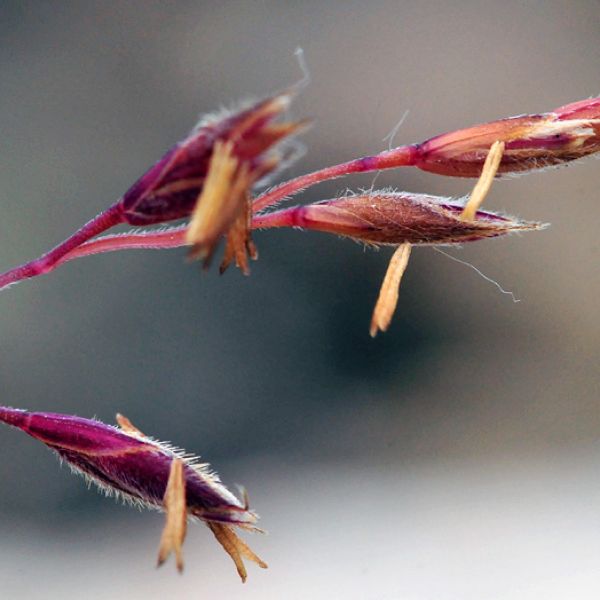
pixel 395 218
pixel 124 462
pixel 531 142
pixel 169 190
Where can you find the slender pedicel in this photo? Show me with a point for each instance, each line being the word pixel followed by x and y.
pixel 122 461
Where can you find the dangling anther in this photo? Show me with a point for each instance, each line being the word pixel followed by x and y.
pixel 127 426
pixel 223 200
pixel 175 506
pixel 239 244
pixel 235 547
pixel 484 183
pixel 388 294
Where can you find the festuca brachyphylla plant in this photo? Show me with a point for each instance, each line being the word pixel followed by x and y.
pixel 211 178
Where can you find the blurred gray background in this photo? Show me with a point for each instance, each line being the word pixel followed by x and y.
pixel 455 457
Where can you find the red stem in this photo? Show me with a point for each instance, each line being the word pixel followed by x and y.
pixel 288 217
pixel 47 262
pixel 141 240
pixel 403 156
pixel 169 238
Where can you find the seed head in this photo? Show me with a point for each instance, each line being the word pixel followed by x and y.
pixel 531 142
pixel 170 189
pixel 122 461
pixel 393 218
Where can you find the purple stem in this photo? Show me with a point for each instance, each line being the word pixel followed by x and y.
pixel 402 156
pixel 46 263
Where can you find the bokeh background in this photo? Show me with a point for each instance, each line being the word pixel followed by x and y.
pixel 455 457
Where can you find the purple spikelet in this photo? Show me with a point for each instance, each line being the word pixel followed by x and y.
pixel 124 462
